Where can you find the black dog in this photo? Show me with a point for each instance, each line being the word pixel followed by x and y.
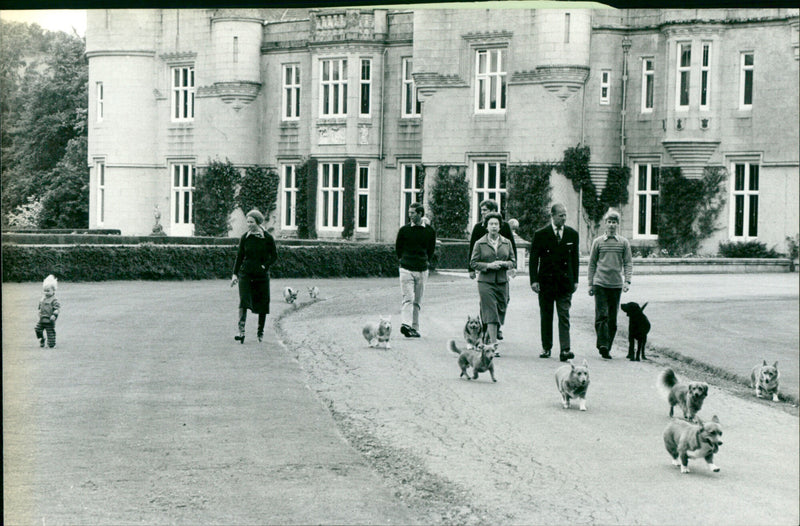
pixel 637 330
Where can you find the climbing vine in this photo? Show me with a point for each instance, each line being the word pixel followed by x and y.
pixel 528 194
pixel 349 196
pixel 450 202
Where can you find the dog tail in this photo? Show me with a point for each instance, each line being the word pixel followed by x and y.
pixel 451 344
pixel 667 381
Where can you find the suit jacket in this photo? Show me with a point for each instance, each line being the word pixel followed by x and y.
pixel 554 264
pixel 483 253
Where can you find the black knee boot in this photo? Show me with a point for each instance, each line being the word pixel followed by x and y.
pixel 242 319
pixel 262 318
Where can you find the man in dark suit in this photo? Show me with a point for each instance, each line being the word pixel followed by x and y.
pixel 554 277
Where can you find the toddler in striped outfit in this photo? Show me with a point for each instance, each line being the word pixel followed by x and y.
pixel 48 312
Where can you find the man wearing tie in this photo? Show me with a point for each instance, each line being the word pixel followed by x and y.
pixel 554 277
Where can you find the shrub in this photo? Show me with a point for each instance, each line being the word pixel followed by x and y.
pixel 26 215
pixel 307 199
pixel 349 197
pixel 450 202
pixel 214 198
pixel 259 190
pixel 746 249
pixel 529 192
pixel 793 244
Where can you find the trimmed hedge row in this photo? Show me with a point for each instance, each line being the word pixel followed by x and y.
pixel 90 239
pixel 175 262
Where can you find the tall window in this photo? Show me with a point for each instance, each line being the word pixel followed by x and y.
pixel 101 192
pixel 489 183
pixel 705 79
pixel 333 101
pixel 684 74
pixel 645 204
pixel 412 179
pixel 366 87
pixel 100 102
pixel 331 190
pixel 362 198
pixel 648 80
pixel 289 197
pixel 605 87
pixel 291 92
pixel 183 176
pixel 183 93
pixel 490 81
pixel 745 200
pixel 411 106
pixel 746 65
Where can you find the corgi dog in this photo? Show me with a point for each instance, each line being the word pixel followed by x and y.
pixel 572 382
pixel 685 440
pixel 289 294
pixel 764 379
pixel 378 334
pixel 473 331
pixel 479 358
pixel 689 396
pixel 313 292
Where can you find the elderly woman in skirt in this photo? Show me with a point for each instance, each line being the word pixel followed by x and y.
pixel 492 256
pixel 256 253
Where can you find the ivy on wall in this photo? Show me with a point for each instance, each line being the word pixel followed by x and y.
pixel 688 209
pixel 528 194
pixel 450 202
pixel 258 189
pixel 306 203
pixel 214 198
pixel 349 204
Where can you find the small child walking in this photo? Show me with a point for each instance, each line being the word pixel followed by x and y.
pixel 48 312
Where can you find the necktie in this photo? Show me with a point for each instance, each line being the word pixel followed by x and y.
pixel 558 233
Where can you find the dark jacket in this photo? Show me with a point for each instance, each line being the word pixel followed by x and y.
pixel 255 255
pixel 554 264
pixel 479 230
pixel 483 253
pixel 415 246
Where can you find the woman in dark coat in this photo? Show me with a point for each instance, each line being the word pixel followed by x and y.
pixel 256 253
pixel 492 256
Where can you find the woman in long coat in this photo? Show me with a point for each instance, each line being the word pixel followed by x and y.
pixel 492 256
pixel 256 254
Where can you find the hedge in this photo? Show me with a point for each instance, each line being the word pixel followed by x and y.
pixel 176 262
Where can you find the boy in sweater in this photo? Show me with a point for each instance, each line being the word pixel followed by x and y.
pixel 610 270
pixel 415 245
pixel 48 312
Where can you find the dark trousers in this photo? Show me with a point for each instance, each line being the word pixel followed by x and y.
pixel 606 305
pixel 562 304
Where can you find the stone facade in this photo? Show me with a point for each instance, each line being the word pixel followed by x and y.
pixel 642 88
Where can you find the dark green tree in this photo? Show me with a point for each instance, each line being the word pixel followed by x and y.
pixel 349 197
pixel 450 202
pixel 66 201
pixel 214 198
pixel 258 189
pixel 529 192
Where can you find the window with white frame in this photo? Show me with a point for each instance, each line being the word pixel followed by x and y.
pixel 705 77
pixel 489 182
pixel 411 177
pixel 746 69
pixel 183 93
pixel 331 191
pixel 291 92
pixel 490 80
pixel 648 84
pixel 645 203
pixel 605 86
pixel 289 197
pixel 183 177
pixel 365 99
pixel 684 69
pixel 362 198
pixel 411 106
pixel 744 209
pixel 101 192
pixel 333 78
pixel 100 102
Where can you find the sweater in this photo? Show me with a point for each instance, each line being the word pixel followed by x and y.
pixel 415 246
pixel 609 259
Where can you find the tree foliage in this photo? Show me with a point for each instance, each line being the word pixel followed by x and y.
pixel 529 192
pixel 43 100
pixel 450 202
pixel 214 198
pixel 349 197
pixel 258 189
pixel 306 199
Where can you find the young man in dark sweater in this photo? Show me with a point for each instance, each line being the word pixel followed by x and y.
pixel 415 245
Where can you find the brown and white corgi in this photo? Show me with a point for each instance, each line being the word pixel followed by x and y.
pixel 378 334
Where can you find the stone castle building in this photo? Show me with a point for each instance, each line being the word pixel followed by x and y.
pixel 406 91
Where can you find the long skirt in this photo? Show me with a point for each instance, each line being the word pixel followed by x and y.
pixel 494 298
pixel 254 294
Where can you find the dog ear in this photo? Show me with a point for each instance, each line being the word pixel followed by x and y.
pixel 775 365
pixel 645 305
pixel 764 363
pixel 715 419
